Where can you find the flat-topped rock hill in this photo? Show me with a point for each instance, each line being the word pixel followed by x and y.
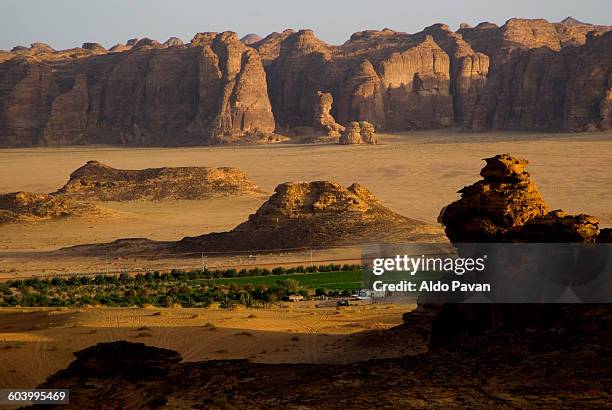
pixel 31 207
pixel 96 181
pixel 320 213
pixel 215 89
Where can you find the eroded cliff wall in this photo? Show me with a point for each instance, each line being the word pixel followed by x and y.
pixel 524 75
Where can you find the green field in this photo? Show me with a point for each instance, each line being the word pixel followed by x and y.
pixel 332 280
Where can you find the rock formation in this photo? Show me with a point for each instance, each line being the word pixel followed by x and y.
pixel 526 74
pixel 359 133
pixel 323 122
pixel 96 181
pixel 368 133
pixel 212 90
pixel 351 135
pixel 506 206
pixel 540 79
pixel 305 214
pixel 30 207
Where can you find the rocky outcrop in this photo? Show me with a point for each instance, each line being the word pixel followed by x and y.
pixel 122 360
pixel 30 207
pixel 96 181
pixel 173 42
pixel 306 214
pixel 359 133
pixel 506 206
pixel 574 33
pixel 323 122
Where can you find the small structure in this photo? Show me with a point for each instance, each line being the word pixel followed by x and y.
pixel 295 298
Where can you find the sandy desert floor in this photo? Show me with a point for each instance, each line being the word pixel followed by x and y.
pixel 35 343
pixel 415 174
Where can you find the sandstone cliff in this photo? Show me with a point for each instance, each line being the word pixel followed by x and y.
pixel 393 80
pixel 539 78
pixel 524 75
pixel 212 90
pixel 96 181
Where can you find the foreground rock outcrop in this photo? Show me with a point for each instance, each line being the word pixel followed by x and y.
pixel 312 214
pixel 508 369
pixel 524 75
pixel 32 207
pixel 96 181
pixel 506 206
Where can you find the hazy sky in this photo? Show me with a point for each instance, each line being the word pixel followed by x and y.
pixel 69 23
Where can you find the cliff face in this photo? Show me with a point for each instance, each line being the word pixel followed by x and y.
pixel 526 74
pixel 393 80
pixel 542 76
pixel 210 91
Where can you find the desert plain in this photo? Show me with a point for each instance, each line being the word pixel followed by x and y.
pixel 414 174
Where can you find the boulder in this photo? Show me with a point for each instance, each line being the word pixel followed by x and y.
pixel 351 134
pixel 368 133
